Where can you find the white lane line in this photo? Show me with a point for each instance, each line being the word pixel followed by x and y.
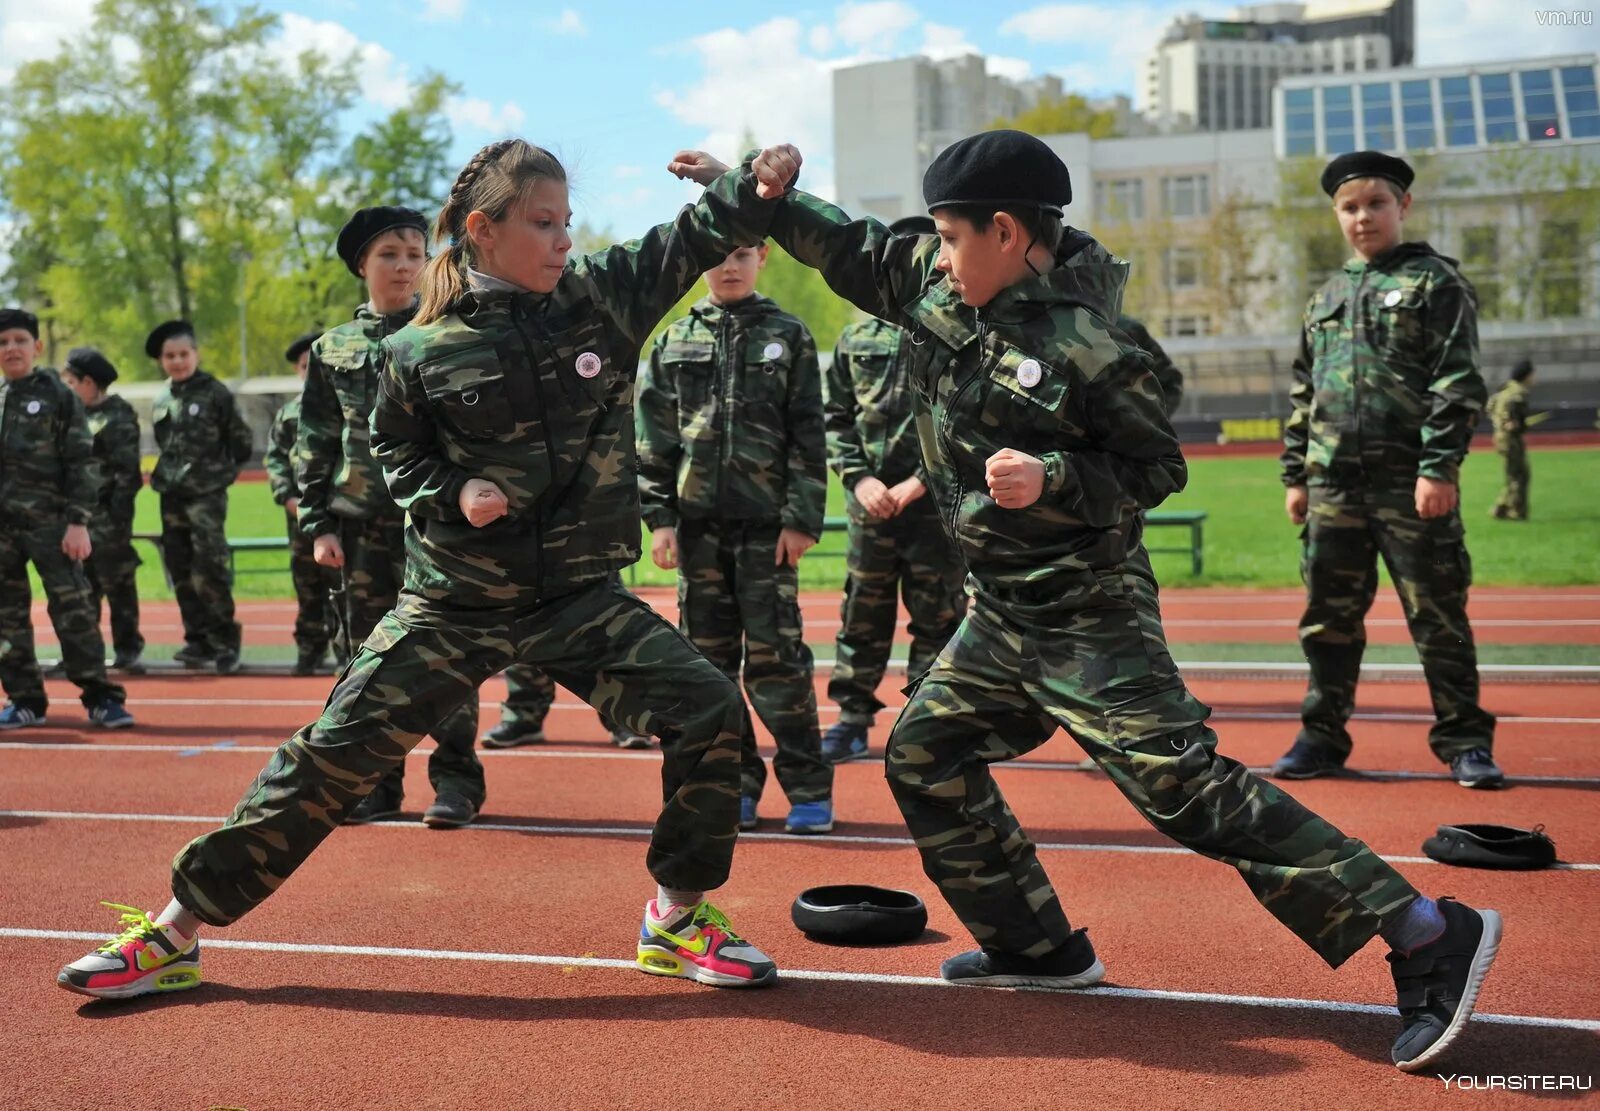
pixel 578 830
pixel 815 975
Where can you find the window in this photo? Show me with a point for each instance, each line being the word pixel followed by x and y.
pixel 1583 112
pixel 1119 200
pixel 1416 110
pixel 1186 326
pixel 1338 120
pixel 1183 268
pixel 1539 104
pixel 1560 269
pixel 1455 97
pixel 1377 116
pixel 1480 259
pixel 1299 122
pixel 1186 196
pixel 1499 111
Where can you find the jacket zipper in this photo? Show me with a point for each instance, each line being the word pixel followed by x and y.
pixel 537 508
pixel 944 432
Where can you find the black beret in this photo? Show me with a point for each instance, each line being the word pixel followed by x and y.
pixel 1521 369
pixel 1486 846
pixel 998 168
pixel 298 347
pixel 369 223
pixel 859 914
pixel 913 225
pixel 170 329
pixel 19 318
pixel 86 362
pixel 1367 163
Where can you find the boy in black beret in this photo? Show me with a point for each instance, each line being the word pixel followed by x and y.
pixel 1044 436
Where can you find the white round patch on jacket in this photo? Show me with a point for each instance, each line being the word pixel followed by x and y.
pixel 1391 299
pixel 1029 373
pixel 773 350
pixel 588 365
pixel 33 407
pixel 194 408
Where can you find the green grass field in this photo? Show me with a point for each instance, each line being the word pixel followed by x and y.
pixel 1247 542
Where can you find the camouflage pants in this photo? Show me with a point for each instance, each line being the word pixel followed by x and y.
pixel 529 695
pixel 374 570
pixel 424 661
pixel 315 624
pixel 1345 534
pixel 72 614
pixel 1099 668
pixel 1513 499
pixel 194 544
pixel 738 608
pixel 113 568
pixel 910 552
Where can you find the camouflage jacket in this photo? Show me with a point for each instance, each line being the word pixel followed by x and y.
pixel 115 428
pixel 334 466
pixel 201 438
pixel 1038 369
pixel 1386 383
pixel 872 430
pixel 534 392
pixel 281 458
pixel 730 420
pixel 1508 410
pixel 48 473
pixel 1166 371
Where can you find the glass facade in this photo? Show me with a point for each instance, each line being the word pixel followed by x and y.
pixel 1583 111
pixel 1416 110
pixel 1499 110
pixel 1539 104
pixel 1299 122
pixel 1377 117
pixel 1338 120
pixel 1455 97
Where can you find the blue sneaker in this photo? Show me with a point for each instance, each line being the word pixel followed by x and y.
pixel 19 717
pixel 844 741
pixel 747 812
pixel 810 817
pixel 110 715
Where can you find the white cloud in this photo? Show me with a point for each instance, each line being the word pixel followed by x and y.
pixel 1492 30
pixel 382 80
pixel 875 25
pixel 1119 37
pixel 822 38
pixel 569 22
pixel 941 42
pixel 478 114
pixel 1016 69
pixel 443 11
pixel 30 31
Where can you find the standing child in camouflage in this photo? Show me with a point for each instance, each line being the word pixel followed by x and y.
pixel 314 621
pixel 504 426
pixel 1508 411
pixel 347 512
pixel 112 565
pixel 201 442
pixel 1045 434
pixel 733 480
pixel 48 495
pixel 1386 395
pixel 895 539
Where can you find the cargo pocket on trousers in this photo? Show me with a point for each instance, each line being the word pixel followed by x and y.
pixel 356 679
pixel 1452 566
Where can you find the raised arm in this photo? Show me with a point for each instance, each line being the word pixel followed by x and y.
pixel 860 260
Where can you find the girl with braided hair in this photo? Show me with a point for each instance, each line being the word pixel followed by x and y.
pixel 504 428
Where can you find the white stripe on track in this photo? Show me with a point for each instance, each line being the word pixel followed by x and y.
pixel 814 975
pixel 644 831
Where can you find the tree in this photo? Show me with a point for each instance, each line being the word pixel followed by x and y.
pixel 1063 115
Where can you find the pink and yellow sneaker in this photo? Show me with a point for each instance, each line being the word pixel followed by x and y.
pixel 143 958
pixel 697 943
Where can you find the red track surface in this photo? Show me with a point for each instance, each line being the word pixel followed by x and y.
pixel 320 1030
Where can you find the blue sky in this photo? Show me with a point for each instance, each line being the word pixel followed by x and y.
pixel 615 87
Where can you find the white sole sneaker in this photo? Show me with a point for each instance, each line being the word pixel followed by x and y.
pixel 1482 958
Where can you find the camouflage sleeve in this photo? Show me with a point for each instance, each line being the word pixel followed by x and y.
pixel 846 455
pixel 1136 463
pixel 1297 428
pixel 638 282
pixel 236 436
pixel 659 446
pixel 877 272
pixel 120 443
pixel 805 497
pixel 317 448
pixel 278 460
pixel 405 444
pixel 1517 413
pixel 1166 371
pixel 1454 380
pixel 80 471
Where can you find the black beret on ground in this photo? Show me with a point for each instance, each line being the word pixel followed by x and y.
pixel 1367 163
pixel 859 914
pixel 86 362
pixel 298 347
pixel 998 168
pixel 1486 846
pixel 19 318
pixel 913 225
pixel 163 332
pixel 369 223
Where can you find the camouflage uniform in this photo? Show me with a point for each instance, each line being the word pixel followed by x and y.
pixel 731 451
pixel 202 441
pixel 530 693
pixel 1168 376
pixel 342 492
pixel 534 393
pixel 313 629
pixel 48 480
pixel 1386 389
pixel 871 433
pixel 1064 628
pixel 1508 410
pixel 113 565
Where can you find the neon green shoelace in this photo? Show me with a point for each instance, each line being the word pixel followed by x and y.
pixel 707 914
pixel 136 925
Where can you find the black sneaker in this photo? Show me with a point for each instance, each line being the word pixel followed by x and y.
pixel 449 810
pixel 1074 965
pixel 195 655
pixel 627 738
pixel 382 803
pixel 511 734
pixel 1476 768
pixel 1305 760
pixel 844 741
pixel 307 662
pixel 128 663
pixel 1437 984
pixel 228 662
pixel 56 670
